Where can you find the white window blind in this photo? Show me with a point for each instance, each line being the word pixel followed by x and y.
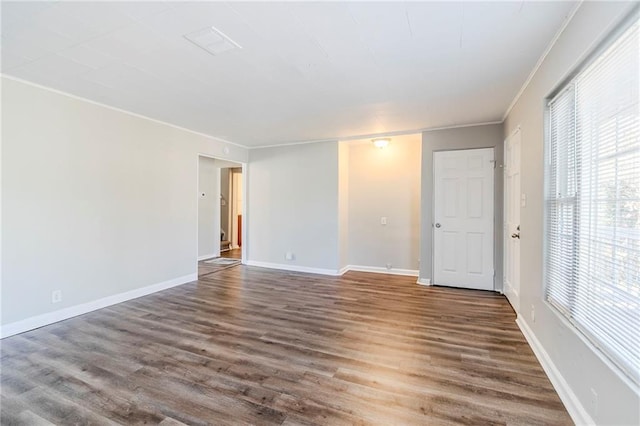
pixel 592 201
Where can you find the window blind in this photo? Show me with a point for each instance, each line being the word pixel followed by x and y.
pixel 592 201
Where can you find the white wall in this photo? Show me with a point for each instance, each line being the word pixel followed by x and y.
pixel 293 206
pixel 385 183
pixel 575 366
pixel 95 202
pixel 208 208
pixel 487 136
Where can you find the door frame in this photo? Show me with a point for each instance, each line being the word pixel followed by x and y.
pixel 513 297
pixel 233 198
pixel 433 210
pixel 243 207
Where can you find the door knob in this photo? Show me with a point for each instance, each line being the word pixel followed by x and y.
pixel 515 236
pixel 437 225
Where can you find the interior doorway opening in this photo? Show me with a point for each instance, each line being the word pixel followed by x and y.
pixel 220 214
pixel 231 212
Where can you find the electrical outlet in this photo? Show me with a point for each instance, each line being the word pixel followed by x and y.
pixel 533 313
pixel 389 266
pixel 56 296
pixel 289 256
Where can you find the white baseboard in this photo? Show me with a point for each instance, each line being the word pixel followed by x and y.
pixel 381 270
pixel 343 270
pixel 512 296
pixel 333 272
pixel 576 410
pixel 424 281
pixel 293 268
pixel 73 311
pixel 207 256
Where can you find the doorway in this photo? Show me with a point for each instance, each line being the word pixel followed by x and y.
pixel 219 246
pixel 231 212
pixel 512 204
pixel 463 237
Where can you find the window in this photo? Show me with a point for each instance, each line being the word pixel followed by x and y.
pixel 592 201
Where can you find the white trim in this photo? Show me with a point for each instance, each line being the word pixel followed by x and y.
pixel 333 272
pixel 219 219
pixel 355 137
pixel 73 311
pixel 244 211
pixel 491 206
pixel 343 270
pixel 207 256
pixel 218 210
pixel 591 53
pixel 624 377
pixel 377 135
pixel 576 410
pixel 293 268
pixel 515 130
pixel 382 270
pixel 124 111
pixel 295 143
pixel 414 131
pixel 347 138
pixel 544 55
pixel 513 297
pixel 457 126
pixel 424 281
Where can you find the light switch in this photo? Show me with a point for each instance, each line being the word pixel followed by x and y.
pixel 383 220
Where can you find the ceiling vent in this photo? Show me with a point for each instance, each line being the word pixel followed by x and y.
pixel 212 40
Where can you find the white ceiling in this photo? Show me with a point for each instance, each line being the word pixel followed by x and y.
pixel 306 71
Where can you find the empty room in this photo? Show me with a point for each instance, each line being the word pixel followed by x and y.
pixel 320 213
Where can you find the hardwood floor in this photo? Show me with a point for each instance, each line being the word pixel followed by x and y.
pixel 232 254
pixel 256 346
pixel 205 268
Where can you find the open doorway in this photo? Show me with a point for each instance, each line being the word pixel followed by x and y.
pixel 220 207
pixel 231 212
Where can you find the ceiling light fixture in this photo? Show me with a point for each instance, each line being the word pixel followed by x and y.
pixel 381 142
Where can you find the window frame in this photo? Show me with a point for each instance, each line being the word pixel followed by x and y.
pixel 566 316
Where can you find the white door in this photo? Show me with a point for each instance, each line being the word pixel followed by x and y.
pixel 512 203
pixel 463 218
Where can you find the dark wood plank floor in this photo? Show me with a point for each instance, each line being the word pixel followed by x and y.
pixel 255 346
